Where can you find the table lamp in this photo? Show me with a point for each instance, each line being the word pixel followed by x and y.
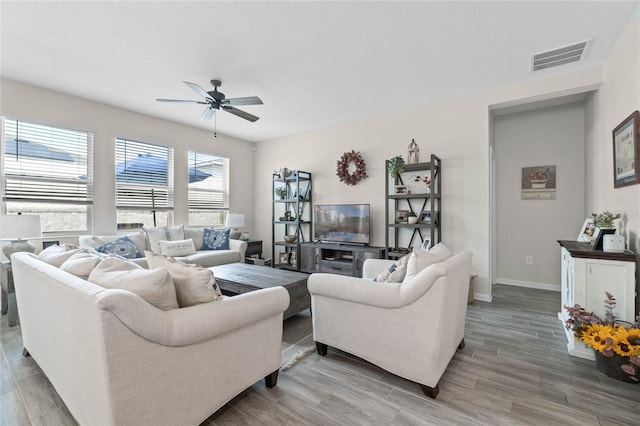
pixel 234 221
pixel 18 228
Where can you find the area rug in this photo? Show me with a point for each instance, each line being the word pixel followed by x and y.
pixel 297 351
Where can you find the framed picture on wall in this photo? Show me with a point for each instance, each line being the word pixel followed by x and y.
pixel 587 231
pixel 626 148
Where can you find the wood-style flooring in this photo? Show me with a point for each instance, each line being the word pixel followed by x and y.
pixel 514 370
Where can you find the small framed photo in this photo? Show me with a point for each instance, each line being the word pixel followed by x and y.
pixel 626 151
pixel 426 244
pixel 586 233
pixel 401 216
pixel 293 258
pixel 598 235
pixel 284 258
pixel 401 189
pixel 427 217
pixel 46 244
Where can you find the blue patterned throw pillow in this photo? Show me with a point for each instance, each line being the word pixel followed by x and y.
pixel 122 247
pixel 215 239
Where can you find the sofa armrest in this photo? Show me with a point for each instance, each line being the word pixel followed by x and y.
pixel 374 267
pixel 240 246
pixel 186 326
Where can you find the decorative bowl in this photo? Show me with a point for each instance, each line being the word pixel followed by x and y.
pixel 290 238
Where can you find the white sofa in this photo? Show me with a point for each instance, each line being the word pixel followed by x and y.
pixel 117 360
pixel 206 258
pixel 411 329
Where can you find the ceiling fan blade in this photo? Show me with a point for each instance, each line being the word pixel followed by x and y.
pixel 199 90
pixel 249 100
pixel 207 113
pixel 240 113
pixel 184 101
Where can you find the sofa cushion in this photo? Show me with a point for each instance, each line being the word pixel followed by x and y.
pixel 81 264
pixel 122 247
pixel 56 255
pixel 155 286
pixel 194 284
pixel 164 233
pixel 177 248
pixel 209 258
pixel 215 239
pixel 396 271
pixel 420 259
pixel 196 233
pixel 139 239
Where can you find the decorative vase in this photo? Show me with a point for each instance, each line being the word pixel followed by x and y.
pixel 412 219
pixel 612 366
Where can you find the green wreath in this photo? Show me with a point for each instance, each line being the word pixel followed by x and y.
pixel 343 168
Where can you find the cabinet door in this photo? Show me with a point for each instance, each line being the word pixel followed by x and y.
pixel 614 277
pixel 309 258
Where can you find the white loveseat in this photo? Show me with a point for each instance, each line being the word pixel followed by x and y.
pixel 117 360
pixel 411 329
pixel 206 258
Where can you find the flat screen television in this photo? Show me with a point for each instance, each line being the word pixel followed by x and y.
pixel 342 223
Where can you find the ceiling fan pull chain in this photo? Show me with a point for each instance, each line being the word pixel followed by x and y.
pixel 215 126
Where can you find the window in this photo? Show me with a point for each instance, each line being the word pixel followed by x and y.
pixel 144 184
pixel 47 171
pixel 208 189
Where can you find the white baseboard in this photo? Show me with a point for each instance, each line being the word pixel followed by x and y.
pixel 529 284
pixel 482 297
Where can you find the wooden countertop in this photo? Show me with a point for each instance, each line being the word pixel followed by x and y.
pixel 586 250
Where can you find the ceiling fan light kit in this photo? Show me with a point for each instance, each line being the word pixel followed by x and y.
pixel 215 100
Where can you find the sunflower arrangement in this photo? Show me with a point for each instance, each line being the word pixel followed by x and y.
pixel 611 336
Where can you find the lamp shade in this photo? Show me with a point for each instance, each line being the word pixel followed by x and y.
pixel 234 220
pixel 20 226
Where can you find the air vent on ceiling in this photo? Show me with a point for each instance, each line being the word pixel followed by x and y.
pixel 559 56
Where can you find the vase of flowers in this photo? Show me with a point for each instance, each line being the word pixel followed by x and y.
pixel 616 343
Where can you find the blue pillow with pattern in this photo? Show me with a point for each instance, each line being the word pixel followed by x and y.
pixel 215 239
pixel 122 247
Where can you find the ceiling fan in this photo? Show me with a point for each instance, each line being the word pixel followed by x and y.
pixel 216 100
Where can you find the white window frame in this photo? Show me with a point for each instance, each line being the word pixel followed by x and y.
pixel 217 186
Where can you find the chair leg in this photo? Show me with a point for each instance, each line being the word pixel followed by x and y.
pixel 272 379
pixel 429 391
pixel 322 348
pixel 25 352
pixel 461 345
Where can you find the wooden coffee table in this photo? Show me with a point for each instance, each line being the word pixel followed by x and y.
pixel 238 278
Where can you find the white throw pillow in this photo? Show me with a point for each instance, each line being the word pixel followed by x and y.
pixel 165 233
pixel 154 286
pixel 196 233
pixel 396 272
pixel 177 248
pixel 139 239
pixel 81 264
pixel 56 255
pixel 194 284
pixel 420 259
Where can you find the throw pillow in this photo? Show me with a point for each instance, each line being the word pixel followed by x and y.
pixel 194 284
pixel 139 239
pixel 420 259
pixel 196 234
pixel 177 248
pixel 215 239
pixel 155 286
pixel 56 255
pixel 165 233
pixel 122 247
pixel 81 264
pixel 396 272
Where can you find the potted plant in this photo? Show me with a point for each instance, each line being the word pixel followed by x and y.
pixel 280 192
pixel 616 342
pixel 412 217
pixel 396 166
pixel 605 219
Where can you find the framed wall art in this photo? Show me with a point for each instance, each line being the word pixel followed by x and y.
pixel 539 183
pixel 626 146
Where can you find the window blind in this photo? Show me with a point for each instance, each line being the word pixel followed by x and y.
pixel 46 164
pixel 144 176
pixel 208 182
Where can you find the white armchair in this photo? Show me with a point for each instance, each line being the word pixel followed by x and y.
pixel 410 329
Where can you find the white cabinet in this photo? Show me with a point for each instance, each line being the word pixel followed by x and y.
pixel 586 275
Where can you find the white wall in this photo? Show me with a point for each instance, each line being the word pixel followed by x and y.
pixel 457 130
pixel 34 104
pixel 618 97
pixel 547 136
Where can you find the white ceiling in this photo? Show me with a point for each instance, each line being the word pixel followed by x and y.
pixel 314 64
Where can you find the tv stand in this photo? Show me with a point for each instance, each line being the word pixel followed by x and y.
pixel 334 258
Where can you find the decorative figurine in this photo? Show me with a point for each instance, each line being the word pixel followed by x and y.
pixel 413 155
